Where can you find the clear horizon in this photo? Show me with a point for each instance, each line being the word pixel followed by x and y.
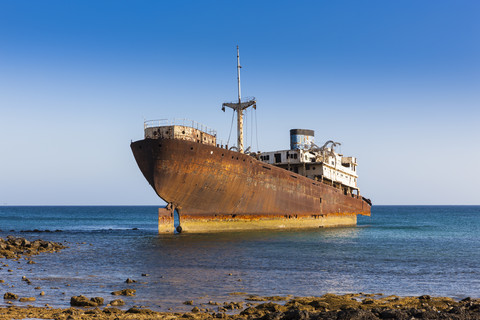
pixel 396 83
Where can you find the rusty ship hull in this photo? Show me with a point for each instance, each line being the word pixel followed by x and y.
pixel 205 183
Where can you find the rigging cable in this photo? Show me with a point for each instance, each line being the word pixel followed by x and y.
pixel 256 128
pixel 231 126
pixel 251 128
pixel 245 125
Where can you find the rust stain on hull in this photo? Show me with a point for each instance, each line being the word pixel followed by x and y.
pixel 207 182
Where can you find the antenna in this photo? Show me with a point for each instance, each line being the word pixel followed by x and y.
pixel 239 107
pixel 238 77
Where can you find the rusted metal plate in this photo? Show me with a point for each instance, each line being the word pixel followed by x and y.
pixel 206 181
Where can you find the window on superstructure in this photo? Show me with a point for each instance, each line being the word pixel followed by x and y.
pixel 278 157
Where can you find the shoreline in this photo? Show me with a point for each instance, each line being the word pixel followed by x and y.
pixel 328 306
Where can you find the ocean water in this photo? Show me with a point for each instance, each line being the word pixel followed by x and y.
pixel 402 250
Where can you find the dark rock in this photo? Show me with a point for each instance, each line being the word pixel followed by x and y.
pixel 233 305
pixel 97 300
pixel 272 307
pixel 10 296
pixel 130 280
pixel 355 314
pixel 82 301
pixel 112 310
pixel 319 305
pixel 124 292
pixel 368 301
pixel 145 275
pixel 424 297
pixel 117 303
pixel 394 314
pixel 188 302
pixel 273 316
pixel 93 311
pixel 249 311
pixel 296 315
pixel 27 299
pixel 139 311
pixel 195 310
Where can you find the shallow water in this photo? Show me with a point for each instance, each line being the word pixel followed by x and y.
pixel 403 250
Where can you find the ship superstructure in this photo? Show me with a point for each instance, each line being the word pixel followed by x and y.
pixel 317 163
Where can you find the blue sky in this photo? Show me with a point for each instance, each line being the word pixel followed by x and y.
pixel 397 82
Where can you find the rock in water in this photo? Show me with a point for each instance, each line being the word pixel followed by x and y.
pixel 124 292
pixel 97 300
pixel 82 301
pixel 117 303
pixel 27 299
pixel 10 296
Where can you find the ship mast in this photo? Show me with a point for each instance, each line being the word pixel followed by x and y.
pixel 239 107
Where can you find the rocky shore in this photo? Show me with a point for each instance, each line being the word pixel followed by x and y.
pixel 14 248
pixel 329 306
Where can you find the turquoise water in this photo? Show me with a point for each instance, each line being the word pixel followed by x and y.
pixel 403 250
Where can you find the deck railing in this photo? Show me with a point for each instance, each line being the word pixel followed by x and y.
pixel 179 122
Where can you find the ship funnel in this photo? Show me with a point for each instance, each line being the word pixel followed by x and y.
pixel 301 138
